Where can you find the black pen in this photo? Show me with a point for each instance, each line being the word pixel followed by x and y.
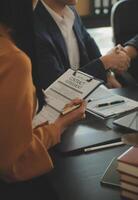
pixel 110 103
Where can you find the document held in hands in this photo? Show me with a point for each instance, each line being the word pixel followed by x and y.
pixel 68 86
pixel 71 85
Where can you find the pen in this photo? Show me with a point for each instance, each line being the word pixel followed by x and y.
pixel 69 109
pixel 110 103
pixel 91 149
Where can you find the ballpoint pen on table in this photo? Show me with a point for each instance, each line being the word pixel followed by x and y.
pixel 110 103
pixel 100 147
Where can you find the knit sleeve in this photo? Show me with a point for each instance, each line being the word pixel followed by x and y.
pixel 23 151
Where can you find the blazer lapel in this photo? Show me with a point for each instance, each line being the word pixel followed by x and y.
pixel 82 49
pixel 55 33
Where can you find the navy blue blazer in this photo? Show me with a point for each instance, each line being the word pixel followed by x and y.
pixel 133 42
pixel 52 53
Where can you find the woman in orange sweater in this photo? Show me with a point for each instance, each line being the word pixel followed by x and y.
pixel 23 150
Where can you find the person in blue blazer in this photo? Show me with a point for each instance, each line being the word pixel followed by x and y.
pixel 131 47
pixel 63 42
pixel 131 77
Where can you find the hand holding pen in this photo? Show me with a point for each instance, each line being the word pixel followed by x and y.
pixel 67 118
pixel 73 105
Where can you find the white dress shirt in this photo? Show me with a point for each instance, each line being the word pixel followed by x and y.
pixel 65 24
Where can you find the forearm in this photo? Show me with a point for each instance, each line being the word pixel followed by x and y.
pixel 35 160
pixel 95 68
pixel 131 47
pixel 49 135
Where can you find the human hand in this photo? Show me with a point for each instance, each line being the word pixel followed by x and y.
pixel 116 59
pixel 79 113
pixel 131 51
pixel 112 82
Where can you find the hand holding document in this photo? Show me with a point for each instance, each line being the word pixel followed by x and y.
pixel 67 87
pixel 72 85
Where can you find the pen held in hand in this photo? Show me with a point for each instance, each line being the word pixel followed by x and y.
pixel 110 103
pixel 70 109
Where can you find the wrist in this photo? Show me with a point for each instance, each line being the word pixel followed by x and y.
pixel 105 61
pixel 131 51
pixel 58 124
pixel 110 73
pixel 61 123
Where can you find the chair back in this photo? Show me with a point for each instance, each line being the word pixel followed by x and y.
pixel 124 20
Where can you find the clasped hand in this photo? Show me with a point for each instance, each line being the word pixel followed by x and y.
pixel 116 59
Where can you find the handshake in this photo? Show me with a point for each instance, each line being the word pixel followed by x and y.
pixel 117 59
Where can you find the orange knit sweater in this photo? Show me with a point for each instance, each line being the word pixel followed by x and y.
pixel 23 151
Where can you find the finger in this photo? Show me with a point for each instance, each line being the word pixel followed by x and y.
pixel 73 102
pixel 118 48
pixel 83 116
pixel 76 101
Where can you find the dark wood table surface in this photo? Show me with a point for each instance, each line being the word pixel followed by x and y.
pixel 77 177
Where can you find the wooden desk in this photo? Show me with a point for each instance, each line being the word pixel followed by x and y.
pixel 75 177
pixel 78 177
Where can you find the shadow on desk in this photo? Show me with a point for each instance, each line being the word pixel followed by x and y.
pixel 36 189
pixel 90 132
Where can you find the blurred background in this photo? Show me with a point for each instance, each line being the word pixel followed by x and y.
pixel 96 16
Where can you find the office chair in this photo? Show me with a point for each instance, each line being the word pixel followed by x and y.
pixel 124 16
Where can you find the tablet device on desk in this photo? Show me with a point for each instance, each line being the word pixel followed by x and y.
pixel 111 176
pixel 83 135
pixel 129 121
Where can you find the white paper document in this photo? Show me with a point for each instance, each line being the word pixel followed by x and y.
pixel 78 84
pixel 103 96
pixel 69 86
